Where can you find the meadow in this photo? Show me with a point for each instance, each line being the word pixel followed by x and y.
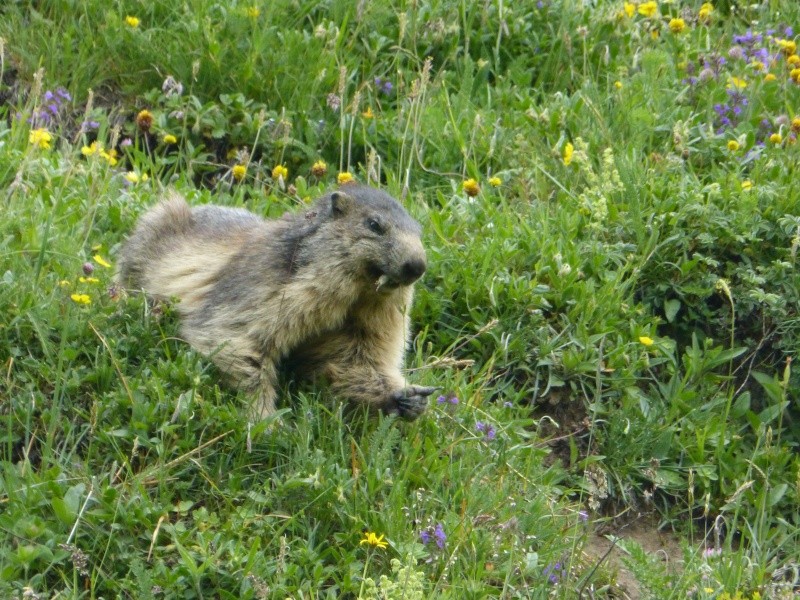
pixel 611 310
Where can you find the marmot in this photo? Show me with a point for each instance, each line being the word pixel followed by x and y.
pixel 324 291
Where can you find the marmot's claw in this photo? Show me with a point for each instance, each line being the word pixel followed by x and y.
pixel 412 401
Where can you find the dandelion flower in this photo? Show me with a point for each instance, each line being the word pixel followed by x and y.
pixel 132 21
pixel 319 168
pixel 794 74
pixel 169 139
pixel 769 77
pixel 239 171
pixel 788 47
pixel 101 261
pixel 344 177
pixel 646 341
pixel 733 145
pixel 569 150
pixel 280 172
pixel 371 539
pixel 40 138
pixel 793 60
pixel 776 138
pixel 81 298
pixel 368 114
pixel 630 9
pixel 495 181
pixel 677 25
pixel 704 14
pixel 747 185
pixel 471 187
pixel 648 9
pixel 144 120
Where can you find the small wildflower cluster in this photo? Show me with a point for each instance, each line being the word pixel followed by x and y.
pixel 487 429
pixel 406 583
pixel 88 269
pixel 96 149
pixel 554 572
pixel 52 110
pixel 433 535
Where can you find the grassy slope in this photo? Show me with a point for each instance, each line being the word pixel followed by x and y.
pixel 118 448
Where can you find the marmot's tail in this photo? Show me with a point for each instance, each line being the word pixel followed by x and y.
pixel 157 231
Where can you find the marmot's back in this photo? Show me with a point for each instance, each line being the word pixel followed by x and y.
pixel 175 251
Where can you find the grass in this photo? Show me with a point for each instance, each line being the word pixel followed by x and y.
pixel 615 298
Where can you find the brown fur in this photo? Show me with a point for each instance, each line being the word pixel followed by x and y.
pixel 324 292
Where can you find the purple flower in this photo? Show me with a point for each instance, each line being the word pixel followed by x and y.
pixel 440 536
pixel 126 142
pixel 441 400
pixel 488 430
pixel 788 32
pixel 48 96
pixel 88 268
pixel 63 94
pixel 89 125
pixel 583 516
pixel 424 537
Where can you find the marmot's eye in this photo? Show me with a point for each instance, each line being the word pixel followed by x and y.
pixel 374 226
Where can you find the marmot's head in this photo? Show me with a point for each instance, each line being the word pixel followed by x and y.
pixel 384 245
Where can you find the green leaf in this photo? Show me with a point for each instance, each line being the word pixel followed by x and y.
pixel 671 308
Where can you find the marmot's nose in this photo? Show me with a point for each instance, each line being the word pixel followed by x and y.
pixel 412 270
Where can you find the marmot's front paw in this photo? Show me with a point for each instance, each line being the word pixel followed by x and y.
pixel 410 402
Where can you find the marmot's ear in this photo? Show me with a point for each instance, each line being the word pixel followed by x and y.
pixel 340 203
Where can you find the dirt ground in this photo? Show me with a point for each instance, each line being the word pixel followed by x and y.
pixel 601 549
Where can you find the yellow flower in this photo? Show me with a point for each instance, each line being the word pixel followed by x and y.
pixel 788 47
pixel 374 540
pixel 40 137
pixel 144 120
pixel 793 60
pixel 344 177
pixel 368 114
pixel 88 280
pixel 569 150
pixel 280 172
pixel 630 9
pixel 776 138
pixel 170 139
pixel 769 77
pixel 757 65
pixel 677 25
pixel 239 171
pixel 64 283
pixel 101 261
pixel 471 187
pixel 648 9
pixel 795 75
pixel 495 181
pixel 796 124
pixel 646 341
pixel 618 85
pixel 110 156
pixel 747 185
pixel 132 21
pixel 81 298
pixel 733 145
pixel 319 168
pixel 704 14
pixel 736 83
pixel 134 177
pixel 253 12
pixel 94 148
